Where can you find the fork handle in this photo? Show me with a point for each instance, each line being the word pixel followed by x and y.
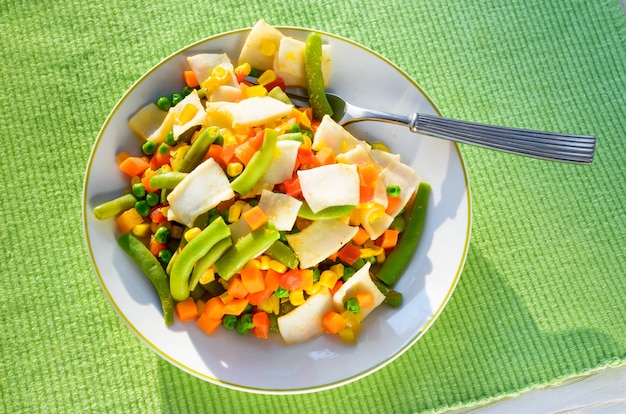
pixel 578 149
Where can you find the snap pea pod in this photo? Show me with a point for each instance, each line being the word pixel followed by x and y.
pixel 113 207
pixel 207 261
pixel 167 180
pixel 393 298
pixel 314 77
pixel 245 249
pixel 281 252
pixel 192 252
pixel 401 255
pixel 152 269
pixel 196 152
pixel 291 136
pixel 258 164
pixel 328 213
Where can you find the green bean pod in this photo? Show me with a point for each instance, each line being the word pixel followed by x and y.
pixel 258 164
pixel 401 255
pixel 192 252
pixel 333 212
pixel 113 207
pixel 198 149
pixel 393 298
pixel 168 180
pixel 245 249
pixel 281 252
pixel 207 260
pixel 314 77
pixel 152 269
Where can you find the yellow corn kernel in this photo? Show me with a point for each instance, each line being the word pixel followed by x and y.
pixel 244 69
pixel 135 180
pixel 230 139
pixel 380 146
pixel 296 297
pixel 208 276
pixel 154 227
pixel 224 284
pixel 233 169
pixel 265 262
pixel 165 168
pixel 353 321
pixel 315 287
pixel 225 297
pixel 234 211
pixel 365 253
pixel 328 278
pixel 210 83
pixel 268 48
pixel 338 268
pixel 256 90
pixel 221 74
pixel 164 211
pixel 266 77
pixel 347 335
pixel 307 279
pixel 200 304
pixel 142 230
pixel 191 233
pixel 380 258
pixel 187 114
pixel 277 266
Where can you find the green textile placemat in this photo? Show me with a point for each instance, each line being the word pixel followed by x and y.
pixel 541 298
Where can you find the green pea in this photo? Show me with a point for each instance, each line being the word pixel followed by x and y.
pixel 187 90
pixel 152 199
pixel 149 147
pixel 169 139
pixel 142 208
pixel 165 256
pixel 164 103
pixel 394 191
pixel 281 292
pixel 229 321
pixel 139 190
pixel 352 305
pixel 348 272
pixel 244 324
pixel 162 235
pixel 164 149
pixel 176 98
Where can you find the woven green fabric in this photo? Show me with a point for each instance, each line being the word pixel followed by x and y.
pixel 541 298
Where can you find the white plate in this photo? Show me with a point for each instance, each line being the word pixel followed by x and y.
pixel 269 366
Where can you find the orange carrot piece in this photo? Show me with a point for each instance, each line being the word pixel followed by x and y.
pixel 366 299
pixel 361 236
pixel 214 308
pixel 366 193
pixel 291 280
pixel 134 166
pixel 332 322
pixel 235 307
pixel 228 152
pixel 335 288
pixel 261 322
pixel 392 203
pixel 389 239
pixel 349 253
pixel 145 180
pixel 272 279
pixel 190 78
pixel 257 298
pixel 368 174
pixel 252 278
pixel 187 309
pixel 245 152
pixel 236 288
pixel 208 325
pixel 128 220
pixel 121 157
pixel 155 247
pixel 215 152
pixel 255 217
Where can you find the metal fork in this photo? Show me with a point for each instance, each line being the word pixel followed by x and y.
pixel 571 148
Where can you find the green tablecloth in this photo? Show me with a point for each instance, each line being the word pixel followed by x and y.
pixel 541 298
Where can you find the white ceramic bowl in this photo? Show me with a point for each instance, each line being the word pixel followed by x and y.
pixel 269 366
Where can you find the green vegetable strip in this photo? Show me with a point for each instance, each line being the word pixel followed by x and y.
pixel 281 252
pixel 314 77
pixel 258 164
pixel 401 255
pixel 152 269
pixel 245 249
pixel 328 213
pixel 196 152
pixel 113 207
pixel 192 252
pixel 392 298
pixel 167 180
pixel 207 260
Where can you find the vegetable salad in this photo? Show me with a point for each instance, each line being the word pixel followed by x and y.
pixel 248 213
